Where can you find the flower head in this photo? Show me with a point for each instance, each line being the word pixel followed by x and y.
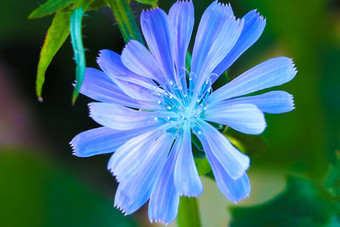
pixel 150 104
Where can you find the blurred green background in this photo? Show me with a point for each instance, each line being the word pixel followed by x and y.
pixel 42 184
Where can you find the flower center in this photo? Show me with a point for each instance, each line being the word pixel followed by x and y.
pixel 181 103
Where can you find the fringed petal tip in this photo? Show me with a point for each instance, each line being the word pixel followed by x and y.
pixel 293 70
pixel 74 147
pixel 227 6
pixel 89 105
pixel 78 153
pixel 159 221
pixel 259 16
pixel 223 4
pixel 74 83
pixel 240 199
pixel 112 171
pixel 291 101
pixel 101 53
pixel 150 10
pixel 191 195
pixel 120 209
pixel 183 2
pixel 128 44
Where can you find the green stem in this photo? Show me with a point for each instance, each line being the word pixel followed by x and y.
pixel 188 214
pixel 125 19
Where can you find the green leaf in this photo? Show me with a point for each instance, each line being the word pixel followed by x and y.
pixel 78 49
pixel 188 213
pixel 125 20
pixel 301 204
pixel 56 36
pixel 97 4
pixel 152 3
pixel 248 144
pixel 49 8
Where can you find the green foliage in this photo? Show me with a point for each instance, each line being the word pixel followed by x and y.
pixel 50 7
pixel 78 49
pixel 97 4
pixel 301 204
pixel 188 214
pixel 125 19
pixel 55 37
pixel 152 3
pixel 70 13
pixel 37 192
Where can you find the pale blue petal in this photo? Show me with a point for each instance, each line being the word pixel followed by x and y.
pixel 133 192
pixel 136 91
pixel 217 21
pixel 128 158
pixel 274 102
pixel 139 60
pixel 164 199
pixel 97 85
pixel 111 63
pixel 104 140
pixel 119 117
pixel 158 35
pixel 216 144
pixel 96 141
pixel 181 17
pixel 135 86
pixel 246 118
pixel 223 43
pixel 187 180
pixel 254 25
pixel 273 72
pixel 234 189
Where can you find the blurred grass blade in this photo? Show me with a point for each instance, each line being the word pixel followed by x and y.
pixel 56 36
pixel 152 3
pixel 49 7
pixel 188 214
pixel 125 19
pixel 78 49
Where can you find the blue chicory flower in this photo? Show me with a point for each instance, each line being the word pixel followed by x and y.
pixel 150 104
